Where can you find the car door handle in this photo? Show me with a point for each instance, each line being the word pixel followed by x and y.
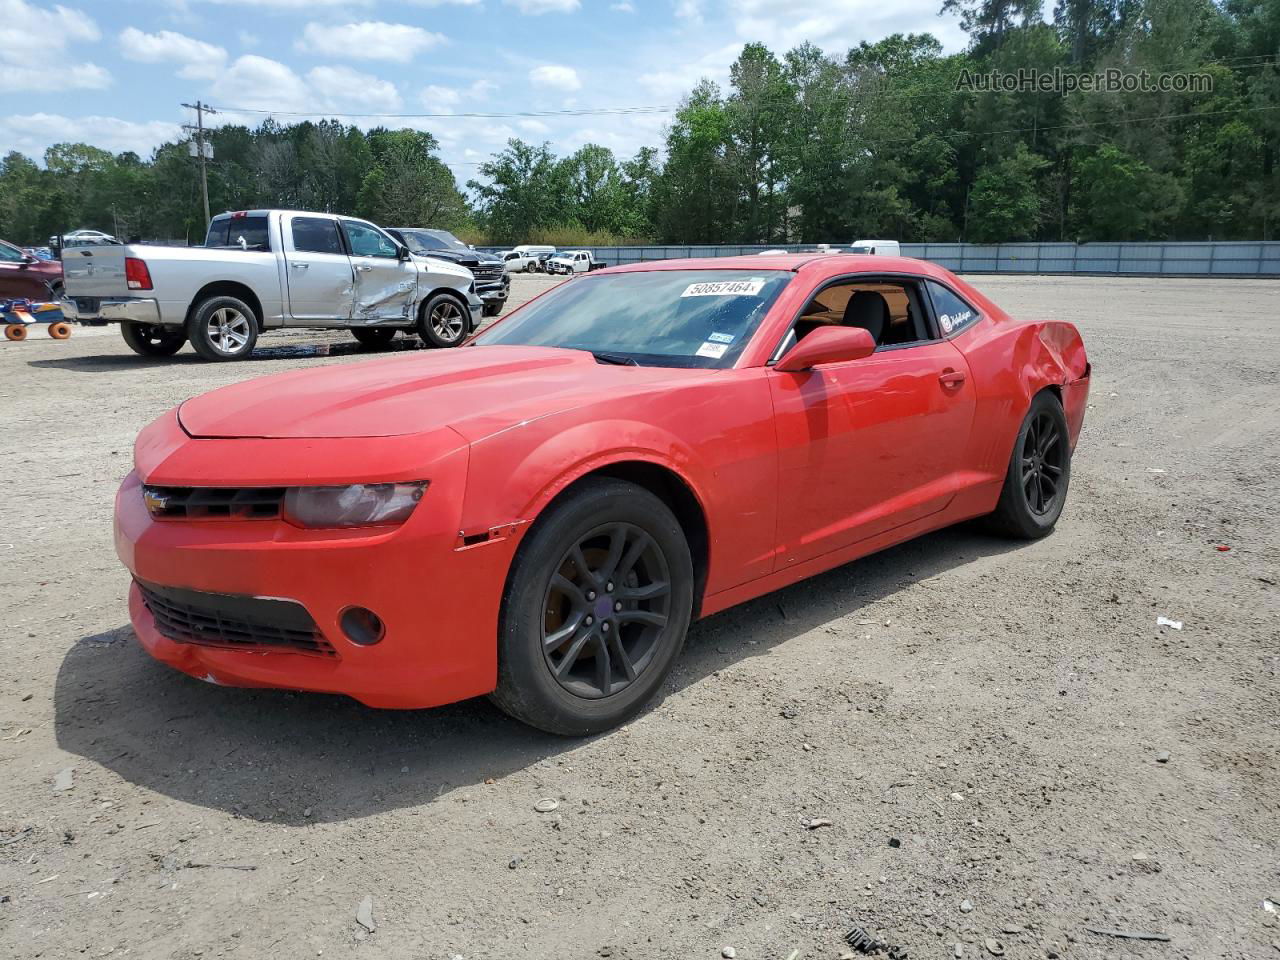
pixel 363 266
pixel 299 266
pixel 951 378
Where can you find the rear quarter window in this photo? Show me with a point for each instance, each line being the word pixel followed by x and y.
pixel 228 231
pixel 953 313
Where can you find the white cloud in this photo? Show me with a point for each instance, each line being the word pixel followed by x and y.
pixel 291 4
pixel 434 96
pixel 32 133
pixel 689 10
pixel 254 83
pixel 836 27
pixel 555 77
pixel 342 85
pixel 671 85
pixel 368 40
pixel 33 45
pixel 538 7
pixel 625 6
pixel 533 126
pixel 199 60
pixel 248 39
pixel 443 3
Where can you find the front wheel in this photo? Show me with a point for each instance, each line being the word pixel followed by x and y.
pixel 595 611
pixel 222 328
pixel 1035 485
pixel 152 340
pixel 443 322
pixel 374 338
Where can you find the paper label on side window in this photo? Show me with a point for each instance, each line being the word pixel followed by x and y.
pixel 720 338
pixel 726 288
pixel 713 350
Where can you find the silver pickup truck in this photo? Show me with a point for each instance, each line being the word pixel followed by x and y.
pixel 263 269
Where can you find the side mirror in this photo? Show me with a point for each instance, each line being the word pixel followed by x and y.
pixel 402 252
pixel 827 345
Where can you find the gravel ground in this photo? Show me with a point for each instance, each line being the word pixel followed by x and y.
pixel 1007 748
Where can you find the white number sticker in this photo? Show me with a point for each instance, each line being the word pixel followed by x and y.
pixel 713 350
pixel 725 288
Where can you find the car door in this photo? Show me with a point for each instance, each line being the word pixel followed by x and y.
pixel 17 279
pixel 318 271
pixel 869 445
pixel 386 286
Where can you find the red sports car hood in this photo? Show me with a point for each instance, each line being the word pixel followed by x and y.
pixel 475 390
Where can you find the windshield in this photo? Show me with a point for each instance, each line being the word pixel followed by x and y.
pixel 665 318
pixel 424 241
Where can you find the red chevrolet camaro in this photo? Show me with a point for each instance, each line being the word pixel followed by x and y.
pixel 540 515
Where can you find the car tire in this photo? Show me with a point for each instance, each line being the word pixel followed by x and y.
pixel 222 328
pixel 443 321
pixel 153 340
pixel 1039 473
pixel 374 338
pixel 619 631
pixel 491 310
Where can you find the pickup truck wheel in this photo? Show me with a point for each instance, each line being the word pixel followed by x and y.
pixel 222 328
pixel 374 338
pixel 152 340
pixel 443 322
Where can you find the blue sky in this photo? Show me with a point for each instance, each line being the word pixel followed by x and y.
pixel 114 72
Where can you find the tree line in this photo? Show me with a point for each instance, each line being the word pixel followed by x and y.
pixel 880 142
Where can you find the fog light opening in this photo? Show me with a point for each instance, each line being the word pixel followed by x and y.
pixel 362 626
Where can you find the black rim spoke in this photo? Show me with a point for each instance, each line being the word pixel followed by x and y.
pixel 1042 463
pixel 606 610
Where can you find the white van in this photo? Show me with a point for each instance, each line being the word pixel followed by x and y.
pixel 881 248
pixel 527 257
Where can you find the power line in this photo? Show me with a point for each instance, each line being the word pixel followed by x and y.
pixel 584 112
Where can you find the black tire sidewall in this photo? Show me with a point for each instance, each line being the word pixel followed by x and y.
pixel 526 689
pixel 198 329
pixel 428 335
pixel 136 341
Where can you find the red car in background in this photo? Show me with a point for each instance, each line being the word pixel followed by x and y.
pixel 541 514
pixel 23 276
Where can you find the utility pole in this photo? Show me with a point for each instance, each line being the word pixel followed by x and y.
pixel 202 151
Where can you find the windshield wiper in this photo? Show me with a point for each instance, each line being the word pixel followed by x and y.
pixel 615 358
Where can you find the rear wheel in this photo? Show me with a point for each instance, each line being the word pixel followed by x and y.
pixel 152 340
pixel 443 322
pixel 1035 485
pixel 374 338
pixel 595 612
pixel 223 328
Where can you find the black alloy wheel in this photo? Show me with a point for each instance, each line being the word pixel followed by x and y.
pixel 1043 462
pixel 607 605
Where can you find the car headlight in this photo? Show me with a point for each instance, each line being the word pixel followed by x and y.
pixel 358 505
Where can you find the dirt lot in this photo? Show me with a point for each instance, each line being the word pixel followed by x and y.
pixel 980 721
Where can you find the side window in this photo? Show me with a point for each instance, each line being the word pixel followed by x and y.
pixel 217 236
pixel 10 253
pixel 367 242
pixel 892 311
pixel 316 235
pixel 953 313
pixel 231 231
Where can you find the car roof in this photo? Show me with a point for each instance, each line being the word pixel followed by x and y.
pixel 832 264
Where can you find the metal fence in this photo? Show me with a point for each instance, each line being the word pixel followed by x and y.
pixel 1216 259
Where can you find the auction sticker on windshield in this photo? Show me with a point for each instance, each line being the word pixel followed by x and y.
pixel 726 288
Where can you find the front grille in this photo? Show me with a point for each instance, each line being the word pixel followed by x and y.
pixel 234 621
pixel 488 273
pixel 214 503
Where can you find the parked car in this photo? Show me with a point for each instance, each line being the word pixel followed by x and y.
pixel 24 275
pixel 572 261
pixel 879 248
pixel 264 269
pixel 80 238
pixel 527 258
pixel 492 283
pixel 633 450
